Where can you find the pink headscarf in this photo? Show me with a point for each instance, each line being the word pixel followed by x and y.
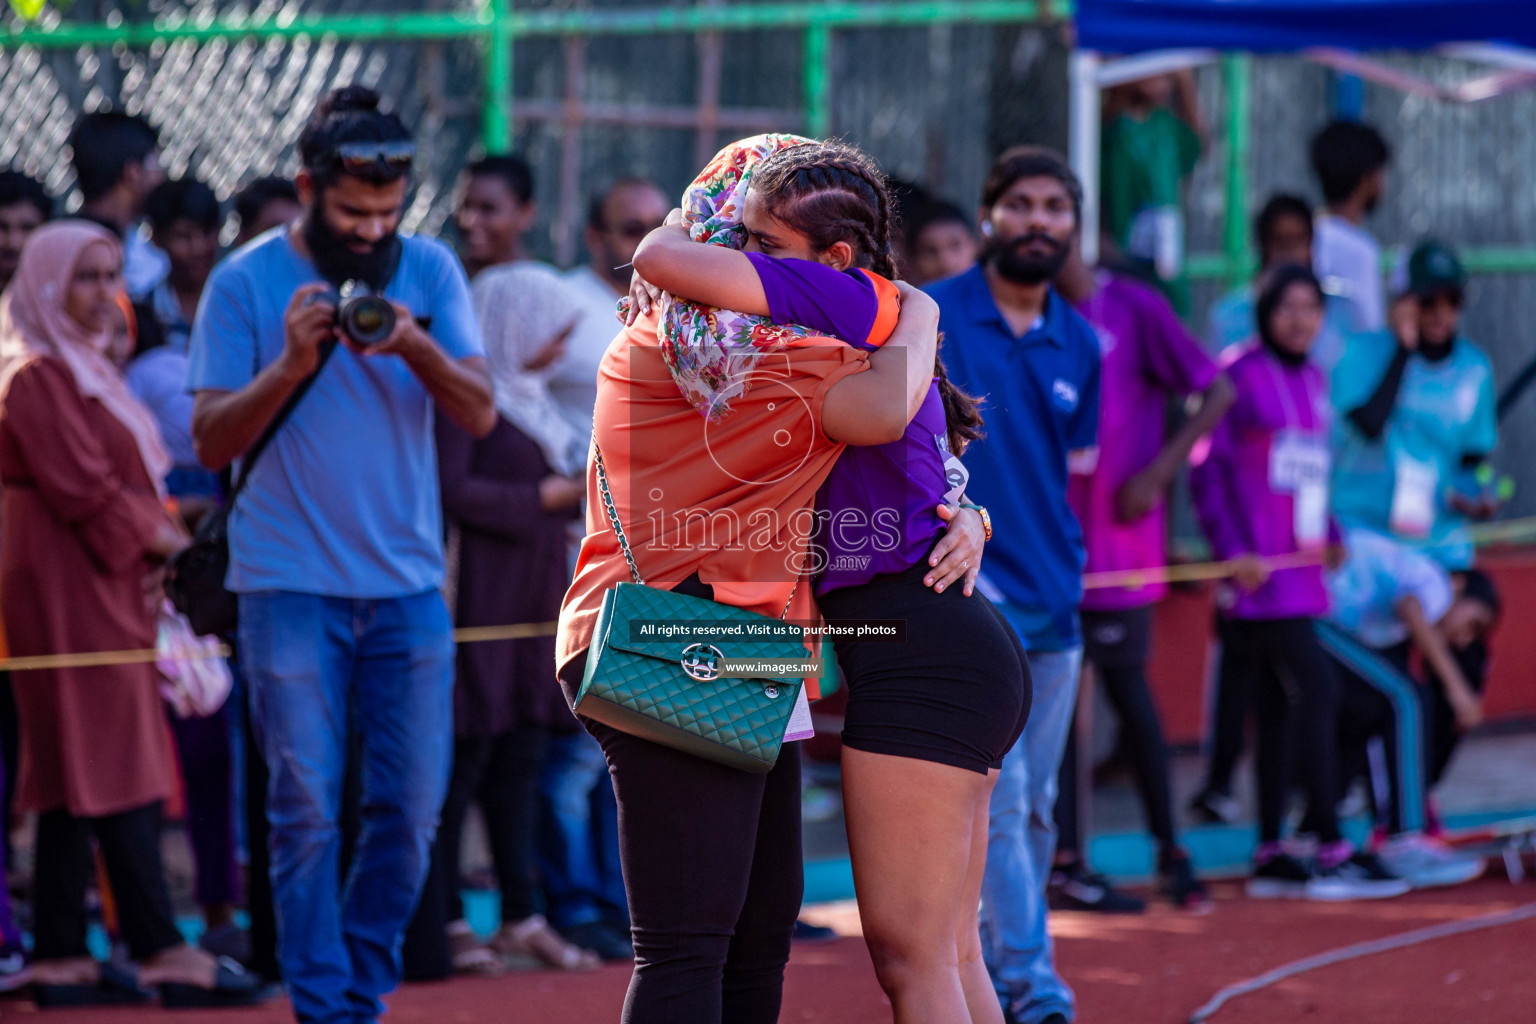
pixel 33 321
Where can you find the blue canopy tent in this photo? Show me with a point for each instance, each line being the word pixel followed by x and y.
pixel 1151 36
pixel 1283 26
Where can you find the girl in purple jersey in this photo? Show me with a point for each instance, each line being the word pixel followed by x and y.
pixel 1262 495
pixel 929 719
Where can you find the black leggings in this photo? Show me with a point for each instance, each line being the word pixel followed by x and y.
pixel 1280 665
pixel 1229 725
pixel 712 866
pixel 502 772
pixel 1366 713
pixel 1444 736
pixel 130 847
pixel 1123 679
pixel 258 833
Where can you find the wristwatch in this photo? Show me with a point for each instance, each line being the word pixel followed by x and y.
pixel 986 518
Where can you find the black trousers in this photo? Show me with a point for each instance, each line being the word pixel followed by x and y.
pixel 258 873
pixel 1444 737
pixel 502 772
pixel 130 846
pixel 1365 713
pixel 1229 725
pixel 1141 736
pixel 1279 665
pixel 10 752
pixel 713 868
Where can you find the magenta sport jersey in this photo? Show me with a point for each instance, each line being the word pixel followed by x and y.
pixel 1261 488
pixel 1147 355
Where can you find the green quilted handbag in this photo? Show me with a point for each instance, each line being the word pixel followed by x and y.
pixel 668 689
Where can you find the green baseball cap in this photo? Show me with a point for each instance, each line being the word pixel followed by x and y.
pixel 1434 268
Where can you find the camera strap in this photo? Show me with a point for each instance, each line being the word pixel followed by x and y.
pixel 327 348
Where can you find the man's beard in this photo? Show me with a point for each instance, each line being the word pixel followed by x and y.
pixel 336 261
pixel 1020 267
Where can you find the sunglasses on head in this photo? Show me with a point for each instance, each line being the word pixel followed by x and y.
pixel 372 157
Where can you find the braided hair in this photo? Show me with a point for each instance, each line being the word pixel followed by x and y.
pixel 831 192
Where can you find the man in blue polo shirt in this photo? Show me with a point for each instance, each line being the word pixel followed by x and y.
pixel 1011 340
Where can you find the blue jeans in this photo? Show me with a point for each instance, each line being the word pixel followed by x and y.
pixel 1021 844
pixel 319 668
pixel 578 834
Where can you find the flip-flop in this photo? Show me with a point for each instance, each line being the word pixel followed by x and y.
pixel 232 986
pixel 114 987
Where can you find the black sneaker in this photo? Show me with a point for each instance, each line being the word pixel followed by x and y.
pixel 1074 887
pixel 1214 808
pixel 1180 885
pixel 1362 877
pixel 1281 877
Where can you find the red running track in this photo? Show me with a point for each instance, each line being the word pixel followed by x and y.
pixel 1153 969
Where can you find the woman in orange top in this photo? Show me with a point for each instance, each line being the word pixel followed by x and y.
pixel 720 507
pixel 929 718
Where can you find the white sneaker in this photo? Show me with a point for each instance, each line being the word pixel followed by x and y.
pixel 1428 863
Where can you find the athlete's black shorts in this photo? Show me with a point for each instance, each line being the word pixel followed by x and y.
pixel 956 691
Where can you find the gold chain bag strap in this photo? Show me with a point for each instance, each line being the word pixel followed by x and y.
pixel 655 667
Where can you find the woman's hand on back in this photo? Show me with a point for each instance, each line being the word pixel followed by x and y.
pixel 669 260
pixel 957 555
pixel 642 296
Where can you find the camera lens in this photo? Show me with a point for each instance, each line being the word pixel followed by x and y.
pixel 367 319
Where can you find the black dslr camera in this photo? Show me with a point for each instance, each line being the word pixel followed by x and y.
pixel 365 317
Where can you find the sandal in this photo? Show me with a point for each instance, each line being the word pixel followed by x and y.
pixel 232 986
pixel 115 986
pixel 533 937
pixel 470 956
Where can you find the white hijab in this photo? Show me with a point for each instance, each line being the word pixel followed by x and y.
pixel 522 308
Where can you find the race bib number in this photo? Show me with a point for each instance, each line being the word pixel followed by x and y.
pixel 800 727
pixel 1296 460
pixel 956 476
pixel 1299 466
pixel 1415 485
pixel 1311 504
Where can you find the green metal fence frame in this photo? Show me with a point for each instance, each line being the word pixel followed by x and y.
pixel 496 25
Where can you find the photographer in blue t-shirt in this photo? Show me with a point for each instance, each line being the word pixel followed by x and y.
pixel 336 540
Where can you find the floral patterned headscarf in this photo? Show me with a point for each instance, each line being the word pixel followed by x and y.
pixel 711 352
